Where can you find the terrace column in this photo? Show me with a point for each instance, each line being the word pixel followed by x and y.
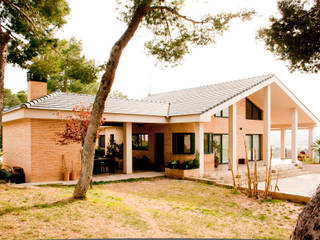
pixel 267 124
pixel 127 147
pixel 282 144
pixel 294 130
pixel 310 141
pixel 199 145
pixel 233 137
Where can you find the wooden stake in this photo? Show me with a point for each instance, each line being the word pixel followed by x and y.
pixel 255 182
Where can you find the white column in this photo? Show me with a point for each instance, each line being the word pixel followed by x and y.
pixel 294 130
pixel 282 144
pixel 310 141
pixel 127 147
pixel 267 124
pixel 233 137
pixel 199 145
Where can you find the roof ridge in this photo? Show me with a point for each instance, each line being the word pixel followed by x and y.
pixel 241 79
pixel 40 99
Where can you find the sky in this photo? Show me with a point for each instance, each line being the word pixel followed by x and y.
pixel 237 54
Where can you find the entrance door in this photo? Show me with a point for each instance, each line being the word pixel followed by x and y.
pixel 159 152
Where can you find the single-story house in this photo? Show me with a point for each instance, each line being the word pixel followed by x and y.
pixel 162 127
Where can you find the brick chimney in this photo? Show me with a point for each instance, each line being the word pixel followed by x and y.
pixel 37 86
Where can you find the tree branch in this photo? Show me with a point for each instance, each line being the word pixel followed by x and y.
pixel 8 31
pixel 21 12
pixel 173 11
pixel 168 27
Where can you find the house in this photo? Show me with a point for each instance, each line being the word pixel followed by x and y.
pixel 164 126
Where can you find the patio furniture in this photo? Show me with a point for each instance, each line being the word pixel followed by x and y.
pixel 103 165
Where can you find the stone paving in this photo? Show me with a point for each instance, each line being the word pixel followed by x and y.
pixel 103 178
pixel 303 185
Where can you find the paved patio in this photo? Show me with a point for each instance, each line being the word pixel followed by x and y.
pixel 303 185
pixel 103 178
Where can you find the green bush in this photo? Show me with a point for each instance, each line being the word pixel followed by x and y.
pixel 4 175
pixel 187 164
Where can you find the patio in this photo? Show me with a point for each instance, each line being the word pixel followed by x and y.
pixel 106 177
pixel 280 168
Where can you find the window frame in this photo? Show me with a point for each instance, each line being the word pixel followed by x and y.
pixel 221 115
pixel 111 138
pixel 252 148
pixel 209 143
pixel 177 149
pixel 104 141
pixel 252 108
pixel 140 142
pixel 220 135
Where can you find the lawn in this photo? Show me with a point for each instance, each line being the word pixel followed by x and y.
pixel 149 208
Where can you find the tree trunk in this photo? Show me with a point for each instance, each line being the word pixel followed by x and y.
pixel 4 41
pixel 308 224
pixel 100 99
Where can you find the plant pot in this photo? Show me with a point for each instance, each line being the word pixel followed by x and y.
pixel 74 175
pixel 66 176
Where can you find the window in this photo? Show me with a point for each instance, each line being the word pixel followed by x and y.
pixel 140 141
pixel 254 144
pixel 183 143
pixel 252 111
pixel 111 138
pixel 223 113
pixel 102 141
pixel 208 143
pixel 222 141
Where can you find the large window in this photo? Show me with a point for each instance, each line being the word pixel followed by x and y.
pixel 102 141
pixel 223 113
pixel 208 143
pixel 140 141
pixel 254 145
pixel 183 143
pixel 252 111
pixel 222 142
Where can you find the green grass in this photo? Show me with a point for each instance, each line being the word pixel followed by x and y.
pixel 142 208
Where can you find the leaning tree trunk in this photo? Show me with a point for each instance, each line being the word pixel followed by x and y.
pixel 4 41
pixel 99 102
pixel 308 224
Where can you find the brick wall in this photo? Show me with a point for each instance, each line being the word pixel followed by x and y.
pixel 31 144
pixel 46 155
pixel 17 145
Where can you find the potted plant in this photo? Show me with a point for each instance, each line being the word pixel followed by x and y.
pixel 115 153
pixel 216 151
pixel 66 169
pixel 316 147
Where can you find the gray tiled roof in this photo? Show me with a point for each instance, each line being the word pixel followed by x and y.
pixel 201 99
pixel 181 102
pixel 66 101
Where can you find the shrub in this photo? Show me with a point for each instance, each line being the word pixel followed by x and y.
pixel 4 175
pixel 187 164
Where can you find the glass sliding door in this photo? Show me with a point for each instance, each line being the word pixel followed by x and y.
pixel 225 149
pixel 222 141
pixel 253 145
pixel 249 147
pixel 256 143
